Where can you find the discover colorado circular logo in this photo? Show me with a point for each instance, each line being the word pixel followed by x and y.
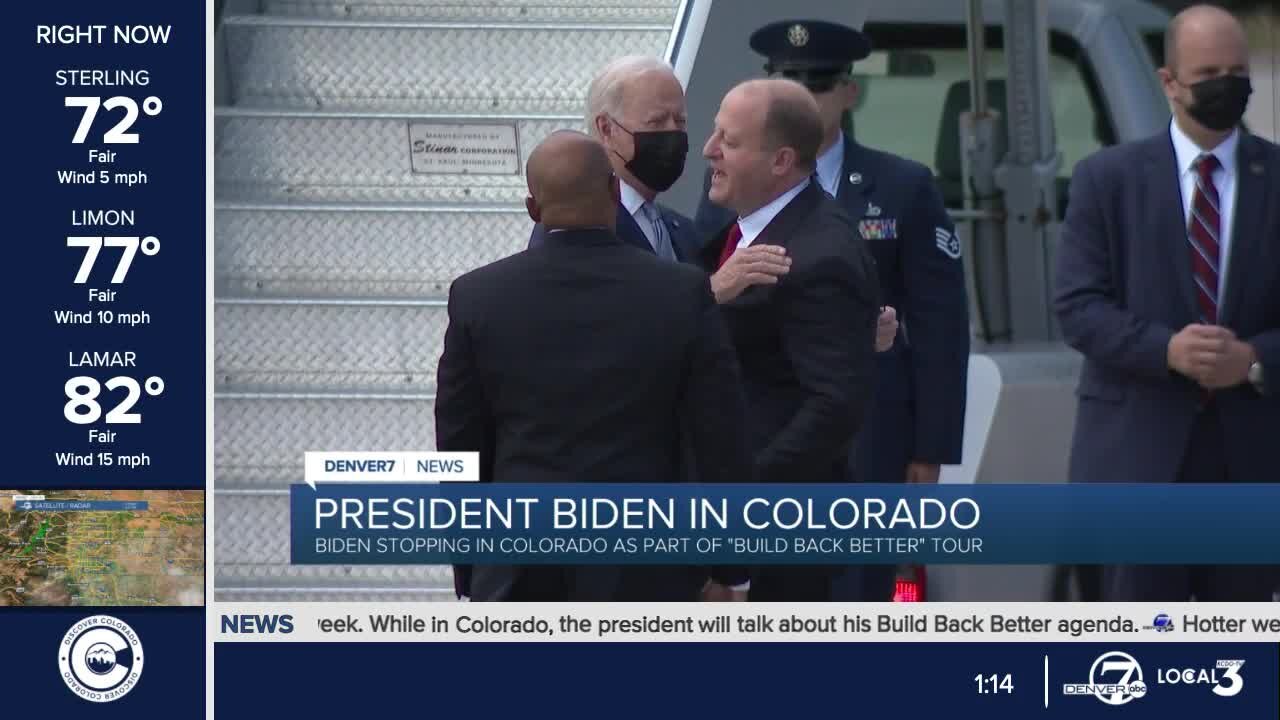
pixel 100 658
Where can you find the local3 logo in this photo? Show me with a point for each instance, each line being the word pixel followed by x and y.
pixel 100 658
pixel 1224 676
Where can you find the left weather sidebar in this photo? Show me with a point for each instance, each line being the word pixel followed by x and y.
pixel 102 488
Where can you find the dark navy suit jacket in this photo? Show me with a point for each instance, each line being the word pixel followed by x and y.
pixel 552 376
pixel 684 238
pixel 806 344
pixel 917 412
pixel 1124 287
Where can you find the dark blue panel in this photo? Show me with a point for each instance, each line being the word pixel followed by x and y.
pixel 723 680
pixel 171 684
pixel 169 286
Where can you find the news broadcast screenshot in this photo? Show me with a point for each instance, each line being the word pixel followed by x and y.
pixel 642 358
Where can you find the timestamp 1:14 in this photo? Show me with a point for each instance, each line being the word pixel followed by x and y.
pixel 994 683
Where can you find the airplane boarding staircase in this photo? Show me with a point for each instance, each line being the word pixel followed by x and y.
pixel 333 257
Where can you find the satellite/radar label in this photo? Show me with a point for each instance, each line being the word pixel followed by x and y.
pixel 102 547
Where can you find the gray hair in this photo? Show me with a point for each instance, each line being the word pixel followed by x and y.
pixel 605 93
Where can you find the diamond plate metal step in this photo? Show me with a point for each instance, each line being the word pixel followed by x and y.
pixel 325 346
pixel 260 438
pixel 568 11
pixel 283 250
pixel 318 198
pixel 276 572
pixel 418 66
pixel 251 543
pixel 314 157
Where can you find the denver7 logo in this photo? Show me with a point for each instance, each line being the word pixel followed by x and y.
pixel 1126 688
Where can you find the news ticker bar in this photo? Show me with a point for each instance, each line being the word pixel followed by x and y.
pixel 664 523
pixel 741 622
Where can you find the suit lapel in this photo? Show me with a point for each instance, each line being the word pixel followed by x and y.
pixel 856 184
pixel 709 254
pixel 629 232
pixel 1253 186
pixel 1164 198
pixel 681 241
pixel 779 230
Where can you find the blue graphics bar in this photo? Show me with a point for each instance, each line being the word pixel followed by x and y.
pixel 589 523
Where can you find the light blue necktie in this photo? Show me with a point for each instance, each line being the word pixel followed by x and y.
pixel 661 241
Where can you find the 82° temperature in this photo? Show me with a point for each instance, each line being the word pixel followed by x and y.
pixel 82 406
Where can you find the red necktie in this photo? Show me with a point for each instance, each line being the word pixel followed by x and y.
pixel 1203 232
pixel 730 244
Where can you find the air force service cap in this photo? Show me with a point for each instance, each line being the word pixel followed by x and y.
pixel 813 52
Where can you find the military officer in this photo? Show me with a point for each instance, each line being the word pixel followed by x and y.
pixel 916 421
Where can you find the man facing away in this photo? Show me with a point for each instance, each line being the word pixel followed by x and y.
pixel 805 344
pixel 1168 281
pixel 552 376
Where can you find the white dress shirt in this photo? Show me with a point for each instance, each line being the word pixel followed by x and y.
pixel 830 164
pixel 1186 152
pixel 755 223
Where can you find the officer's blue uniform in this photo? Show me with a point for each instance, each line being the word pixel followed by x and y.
pixel 919 406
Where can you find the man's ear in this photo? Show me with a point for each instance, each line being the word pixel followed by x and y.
pixel 603 125
pixel 531 206
pixel 783 161
pixel 1168 83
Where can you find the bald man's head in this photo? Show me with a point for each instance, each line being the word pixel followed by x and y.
pixel 1199 22
pixel 571 183
pixel 1206 72
pixel 766 139
pixel 793 120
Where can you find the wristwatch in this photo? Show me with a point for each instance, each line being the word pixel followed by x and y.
pixel 1255 377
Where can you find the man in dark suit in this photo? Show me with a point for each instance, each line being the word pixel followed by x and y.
pixel 550 372
pixel 1168 281
pixel 916 422
pixel 805 344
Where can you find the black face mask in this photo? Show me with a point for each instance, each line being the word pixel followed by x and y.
pixel 659 156
pixel 1219 103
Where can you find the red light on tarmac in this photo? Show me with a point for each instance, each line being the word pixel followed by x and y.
pixel 910 585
